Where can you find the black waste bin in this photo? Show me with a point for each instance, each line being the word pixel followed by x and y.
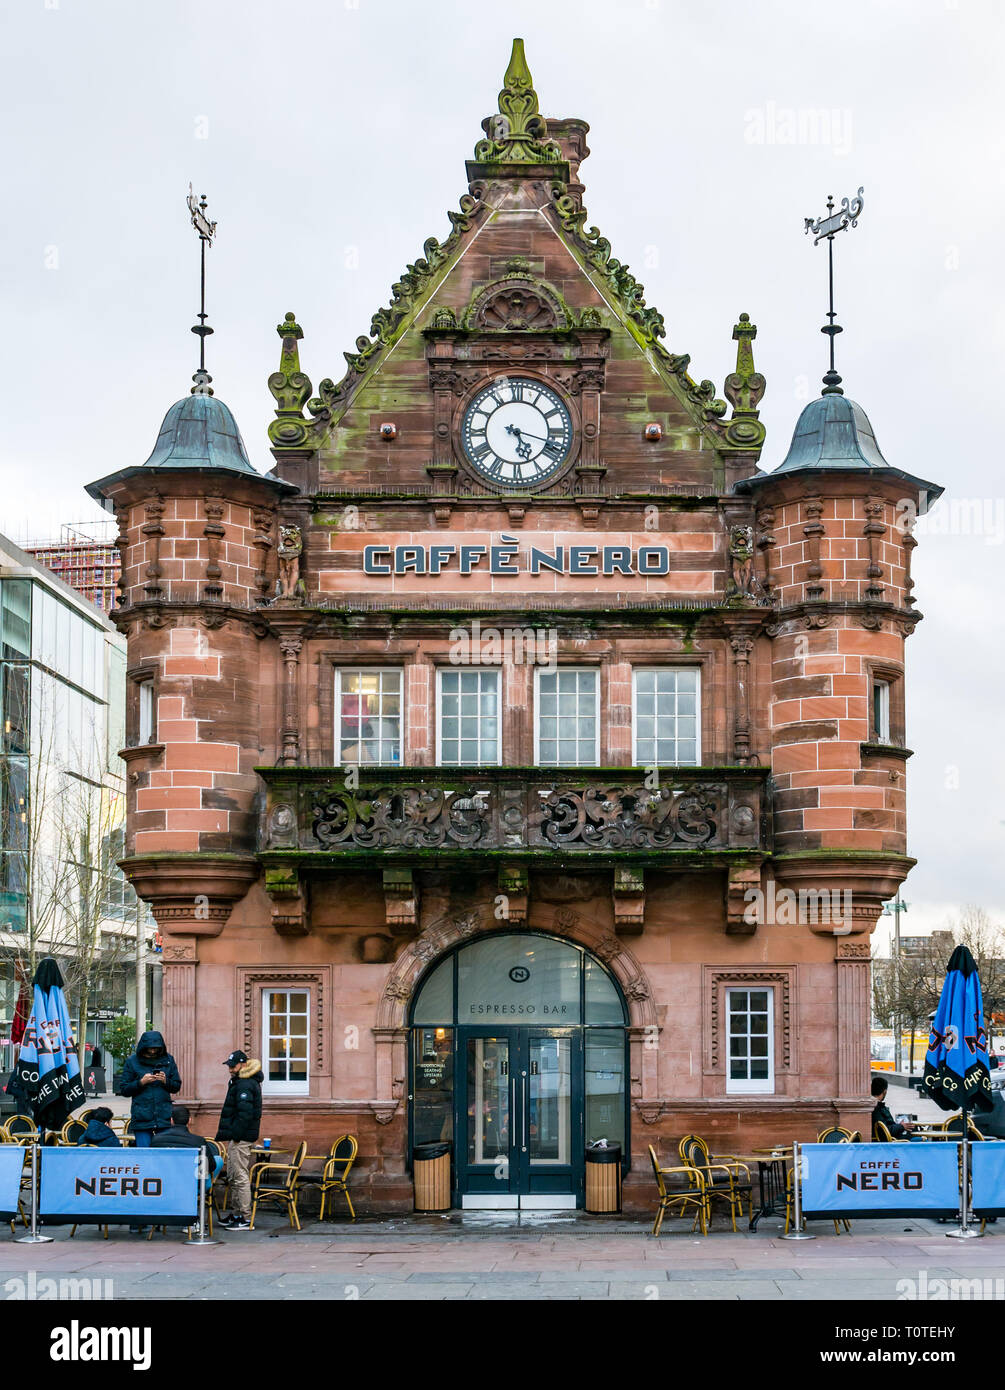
pixel 431 1171
pixel 603 1178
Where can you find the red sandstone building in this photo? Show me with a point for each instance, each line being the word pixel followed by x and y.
pixel 517 763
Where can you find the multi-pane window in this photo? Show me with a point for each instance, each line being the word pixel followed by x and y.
pixel 750 1035
pixel 468 728
pixel 881 711
pixel 286 1041
pixel 567 733
pixel 666 716
pixel 368 716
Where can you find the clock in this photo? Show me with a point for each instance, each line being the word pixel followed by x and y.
pixel 517 432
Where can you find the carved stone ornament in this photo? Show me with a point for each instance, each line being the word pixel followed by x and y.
pixel 516 303
pixel 289 584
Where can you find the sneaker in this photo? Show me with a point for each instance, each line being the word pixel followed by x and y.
pixel 239 1225
pixel 226 1220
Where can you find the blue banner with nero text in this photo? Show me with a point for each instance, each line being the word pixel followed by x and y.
pixel 11 1167
pixel 134 1186
pixel 880 1179
pixel 987 1166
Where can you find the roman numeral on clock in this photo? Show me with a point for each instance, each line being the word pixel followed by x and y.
pixel 480 452
pixel 554 449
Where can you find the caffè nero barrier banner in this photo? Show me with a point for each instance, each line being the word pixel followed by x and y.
pixel 137 1187
pixel 886 1179
pixel 11 1167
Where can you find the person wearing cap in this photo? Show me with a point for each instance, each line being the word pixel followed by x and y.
pixel 238 1127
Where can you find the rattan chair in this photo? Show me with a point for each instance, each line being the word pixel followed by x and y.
pixel 278 1183
pixel 954 1125
pixel 882 1135
pixel 335 1177
pixel 725 1178
pixel 72 1131
pixel 684 1198
pixel 22 1129
pixel 837 1134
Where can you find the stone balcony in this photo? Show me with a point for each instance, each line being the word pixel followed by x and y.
pixel 429 816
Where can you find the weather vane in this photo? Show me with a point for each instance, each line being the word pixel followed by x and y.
pixel 846 216
pixel 206 230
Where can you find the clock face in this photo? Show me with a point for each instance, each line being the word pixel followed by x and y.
pixel 516 432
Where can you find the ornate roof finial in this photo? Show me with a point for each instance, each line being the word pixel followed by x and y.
pixel 744 388
pixel 290 386
pixel 207 231
pixel 829 226
pixel 518 134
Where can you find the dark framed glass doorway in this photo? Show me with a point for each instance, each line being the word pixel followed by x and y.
pixel 519 1058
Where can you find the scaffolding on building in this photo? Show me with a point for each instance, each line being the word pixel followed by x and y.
pixel 85 557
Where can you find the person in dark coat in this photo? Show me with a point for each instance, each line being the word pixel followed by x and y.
pixel 179 1136
pixel 98 1132
pixel 150 1077
pixel 881 1111
pixel 239 1122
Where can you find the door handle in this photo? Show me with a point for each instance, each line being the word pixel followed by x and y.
pixel 525 1108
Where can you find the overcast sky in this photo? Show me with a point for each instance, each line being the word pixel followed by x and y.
pixel 330 139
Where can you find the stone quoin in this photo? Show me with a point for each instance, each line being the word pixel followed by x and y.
pixel 504 903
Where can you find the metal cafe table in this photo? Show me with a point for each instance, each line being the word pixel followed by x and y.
pixel 772 1179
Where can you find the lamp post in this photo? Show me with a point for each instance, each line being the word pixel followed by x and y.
pixel 894 909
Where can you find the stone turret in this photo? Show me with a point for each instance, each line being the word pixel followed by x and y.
pixel 834 526
pixel 197 530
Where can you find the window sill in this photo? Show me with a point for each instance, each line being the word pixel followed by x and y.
pixel 136 751
pixel 872 749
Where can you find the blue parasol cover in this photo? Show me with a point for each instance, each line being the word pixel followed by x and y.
pixel 46 1078
pixel 956 1063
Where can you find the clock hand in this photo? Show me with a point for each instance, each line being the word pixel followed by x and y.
pixel 522 434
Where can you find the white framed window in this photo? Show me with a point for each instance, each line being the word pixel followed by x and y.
pixel 881 711
pixel 368 715
pixel 567 717
pixel 468 728
pixel 666 715
pixel 750 1041
pixel 146 717
pixel 286 1041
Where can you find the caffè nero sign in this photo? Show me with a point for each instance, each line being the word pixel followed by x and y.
pixel 507 557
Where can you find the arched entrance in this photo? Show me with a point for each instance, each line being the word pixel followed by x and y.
pixel 518 1056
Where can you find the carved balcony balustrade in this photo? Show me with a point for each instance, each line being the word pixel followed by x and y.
pixel 699 816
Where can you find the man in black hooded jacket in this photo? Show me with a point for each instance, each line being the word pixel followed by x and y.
pixel 239 1121
pixel 150 1077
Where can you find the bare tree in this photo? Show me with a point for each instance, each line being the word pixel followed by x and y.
pixel 70 810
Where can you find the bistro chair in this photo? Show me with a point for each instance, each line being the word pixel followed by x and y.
pixel 277 1182
pixel 72 1132
pixel 881 1135
pixel 724 1177
pixel 335 1177
pixel 837 1134
pixel 684 1198
pixel 22 1129
pixel 954 1125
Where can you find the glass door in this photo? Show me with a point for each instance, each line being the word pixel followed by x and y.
pixel 487 1130
pixel 550 1115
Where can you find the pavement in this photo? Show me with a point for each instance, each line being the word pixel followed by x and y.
pixel 494 1256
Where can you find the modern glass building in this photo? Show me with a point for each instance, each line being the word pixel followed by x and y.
pixel 62 690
